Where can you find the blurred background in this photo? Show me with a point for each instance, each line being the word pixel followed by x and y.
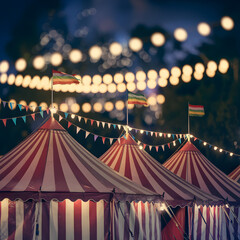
pixel 173 52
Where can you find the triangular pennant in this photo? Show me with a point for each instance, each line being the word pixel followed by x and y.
pixel 195 139
pixel 150 148
pixel 20 107
pixel 40 108
pixel 87 133
pixel 97 123
pixel 33 116
pixel 110 140
pixel 95 138
pixel 78 129
pixel 151 133
pixel 146 132
pixel 11 105
pixel 26 108
pixel 163 147
pixel 180 135
pixel 47 111
pixel 69 124
pixel 136 130
pixel 125 136
pixel 168 145
pixel 138 142
pixel 119 126
pixel 66 115
pixel 79 118
pixel 85 119
pixel 103 140
pixel 156 148
pixel 180 140
pixel 176 135
pixel 109 125
pixel 164 134
pixel 60 118
pixel 4 122
pixel 24 118
pixel 91 121
pixel 144 146
pixel 41 113
pixel 173 136
pixel 4 103
pixel 103 124
pixel 114 126
pixel 133 137
pixel 14 120
pixel 155 134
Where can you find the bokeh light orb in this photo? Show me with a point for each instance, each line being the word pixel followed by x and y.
pixel 224 63
pixel 108 106
pixel 102 88
pixel 13 103
pixel 44 106
pixel 174 80
pixel 97 79
pixel 112 88
pixel 198 75
pixel 63 107
pixel 162 82
pixel 160 98
pixel 34 82
pixel 152 100
pixel 115 49
pixel 107 78
pixel 118 78
pixel 129 77
pixel 152 74
pixel 86 80
pixel 75 56
pixel 212 66
pixel 141 86
pixel 39 62
pixel 227 23
pixel 4 66
pixel 199 67
pixel 86 107
pixel 18 80
pixel 157 39
pixel 32 106
pixel 204 29
pixel 75 108
pixel 135 44
pixel 97 107
pixel 11 79
pixel 186 78
pixel 141 76
pixel 4 78
pixel 164 73
pixel 119 105
pixel 56 59
pixel 210 73
pixel 180 34
pixel 95 52
pixel 20 64
pixel 94 88
pixel 176 72
pixel 26 81
pixel 151 84
pixel 23 103
pixel 121 87
pixel 187 70
pixel 131 86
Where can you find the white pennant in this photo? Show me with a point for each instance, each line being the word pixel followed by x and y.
pixel 150 147
pixel 109 125
pixel 103 124
pixel 97 123
pixel 111 140
pixel 119 127
pixel 87 133
pixel 78 129
pixel 60 118
pixel 151 133
pixel 79 118
pixel 180 135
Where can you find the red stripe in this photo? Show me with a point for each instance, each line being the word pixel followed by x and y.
pixel 29 220
pixel 93 220
pixel 199 225
pixel 106 220
pixel 11 219
pixel 65 82
pixel 62 220
pixel 137 102
pixel 208 224
pixel 196 106
pixel 150 220
pixel 193 172
pixel 127 172
pixel 45 220
pixel 143 223
pixel 117 166
pixel 126 211
pixel 214 221
pixel 78 219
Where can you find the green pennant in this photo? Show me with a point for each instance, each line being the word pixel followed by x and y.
pixel 14 120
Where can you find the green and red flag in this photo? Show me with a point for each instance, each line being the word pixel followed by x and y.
pixel 134 98
pixel 63 78
pixel 195 110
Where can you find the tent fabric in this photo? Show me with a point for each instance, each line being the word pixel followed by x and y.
pixel 126 158
pixel 235 174
pixel 51 164
pixel 191 165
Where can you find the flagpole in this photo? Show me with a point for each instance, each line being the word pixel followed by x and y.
pixel 52 94
pixel 127 113
pixel 188 124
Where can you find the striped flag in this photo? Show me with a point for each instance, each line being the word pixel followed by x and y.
pixel 195 110
pixel 63 78
pixel 134 98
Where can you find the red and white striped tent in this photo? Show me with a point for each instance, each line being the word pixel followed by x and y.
pixel 53 188
pixel 191 165
pixel 235 174
pixel 126 158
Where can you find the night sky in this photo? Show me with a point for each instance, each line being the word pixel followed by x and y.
pixel 83 24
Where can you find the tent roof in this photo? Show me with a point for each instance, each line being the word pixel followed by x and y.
pixel 190 164
pixel 126 158
pixel 52 164
pixel 235 174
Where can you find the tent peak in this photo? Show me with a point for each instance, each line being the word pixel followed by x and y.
pixel 52 124
pixel 127 140
pixel 189 147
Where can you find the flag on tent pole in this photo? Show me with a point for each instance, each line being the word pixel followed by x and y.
pixel 195 110
pixel 63 78
pixel 134 98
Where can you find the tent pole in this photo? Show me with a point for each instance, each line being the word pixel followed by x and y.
pixel 188 124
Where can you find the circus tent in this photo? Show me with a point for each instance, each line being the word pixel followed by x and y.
pixel 129 160
pixel 191 165
pixel 53 188
pixel 235 174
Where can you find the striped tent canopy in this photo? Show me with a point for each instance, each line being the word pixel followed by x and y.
pixel 190 164
pixel 126 158
pixel 51 164
pixel 235 174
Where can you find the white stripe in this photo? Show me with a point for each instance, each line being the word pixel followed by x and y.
pixel 223 224
pixel 195 221
pixel 203 230
pixel 231 223
pixel 132 217
pixel 85 221
pixel 134 172
pixel 100 219
pixel 69 220
pixel 19 219
pixel 217 221
pixel 211 212
pixel 158 225
pixel 238 217
pixel 4 219
pixel 123 161
pixel 147 222
pixel 48 183
pixel 152 215
pixel 139 208
pixel 53 220
pixel 121 220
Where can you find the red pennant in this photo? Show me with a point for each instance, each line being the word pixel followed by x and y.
pixel 4 122
pixel 103 140
pixel 168 145
pixel 26 107
pixel 48 111
pixel 144 145
pixel 91 122
pixel 164 134
pixel 155 134
pixel 195 139
pixel 33 116
pixel 156 148
pixel 69 124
